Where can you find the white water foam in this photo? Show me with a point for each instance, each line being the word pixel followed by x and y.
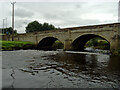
pixel 83 52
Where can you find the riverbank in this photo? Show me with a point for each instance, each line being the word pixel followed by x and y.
pixel 16 45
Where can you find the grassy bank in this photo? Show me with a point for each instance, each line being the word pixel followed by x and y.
pixel 16 45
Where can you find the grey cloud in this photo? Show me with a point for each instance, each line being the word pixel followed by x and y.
pixel 102 7
pixel 53 11
pixel 77 22
pixel 20 23
pixel 78 6
pixel 63 14
pixel 57 15
pixel 23 13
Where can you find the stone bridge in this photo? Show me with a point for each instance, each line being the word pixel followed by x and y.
pixel 73 38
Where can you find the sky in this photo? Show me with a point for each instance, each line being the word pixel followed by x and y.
pixel 60 13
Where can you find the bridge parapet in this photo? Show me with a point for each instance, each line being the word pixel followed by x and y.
pixel 92 27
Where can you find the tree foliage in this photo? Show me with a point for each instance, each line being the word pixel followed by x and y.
pixel 35 26
pixel 8 31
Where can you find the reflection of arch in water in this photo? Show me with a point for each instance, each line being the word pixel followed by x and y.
pixel 46 43
pixel 75 62
pixel 91 60
pixel 79 43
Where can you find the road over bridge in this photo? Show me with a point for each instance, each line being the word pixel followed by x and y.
pixel 73 38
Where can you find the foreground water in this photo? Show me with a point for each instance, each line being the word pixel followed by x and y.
pixel 59 69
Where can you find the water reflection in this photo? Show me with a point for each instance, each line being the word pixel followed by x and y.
pixel 71 64
pixel 114 63
pixel 77 63
pixel 88 70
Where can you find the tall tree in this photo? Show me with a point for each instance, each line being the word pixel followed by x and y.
pixel 32 26
pixel 36 26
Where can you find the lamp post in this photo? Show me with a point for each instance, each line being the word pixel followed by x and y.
pixel 13 20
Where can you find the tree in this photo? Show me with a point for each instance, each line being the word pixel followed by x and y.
pixel 35 26
pixel 8 31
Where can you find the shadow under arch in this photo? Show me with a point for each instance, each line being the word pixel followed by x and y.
pixel 46 43
pixel 79 43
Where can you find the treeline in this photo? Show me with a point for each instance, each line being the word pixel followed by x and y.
pixel 7 31
pixel 35 26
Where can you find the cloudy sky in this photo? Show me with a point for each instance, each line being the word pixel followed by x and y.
pixel 60 13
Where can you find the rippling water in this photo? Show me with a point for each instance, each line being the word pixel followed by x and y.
pixel 58 69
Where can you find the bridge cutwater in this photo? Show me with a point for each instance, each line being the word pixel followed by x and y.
pixel 73 38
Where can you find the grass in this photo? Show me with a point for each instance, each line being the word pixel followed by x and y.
pixel 15 45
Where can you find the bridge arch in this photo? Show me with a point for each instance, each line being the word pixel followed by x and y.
pixel 46 43
pixel 79 42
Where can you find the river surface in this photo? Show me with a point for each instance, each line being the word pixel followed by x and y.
pixel 59 69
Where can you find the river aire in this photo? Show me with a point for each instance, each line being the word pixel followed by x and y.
pixel 59 69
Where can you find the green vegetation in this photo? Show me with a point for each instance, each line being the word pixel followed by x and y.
pixel 98 43
pixel 16 45
pixel 8 31
pixel 115 52
pixel 57 45
pixel 35 26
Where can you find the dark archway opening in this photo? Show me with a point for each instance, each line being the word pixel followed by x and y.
pixel 90 40
pixel 49 43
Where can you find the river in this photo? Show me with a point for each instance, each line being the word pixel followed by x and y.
pixel 59 69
